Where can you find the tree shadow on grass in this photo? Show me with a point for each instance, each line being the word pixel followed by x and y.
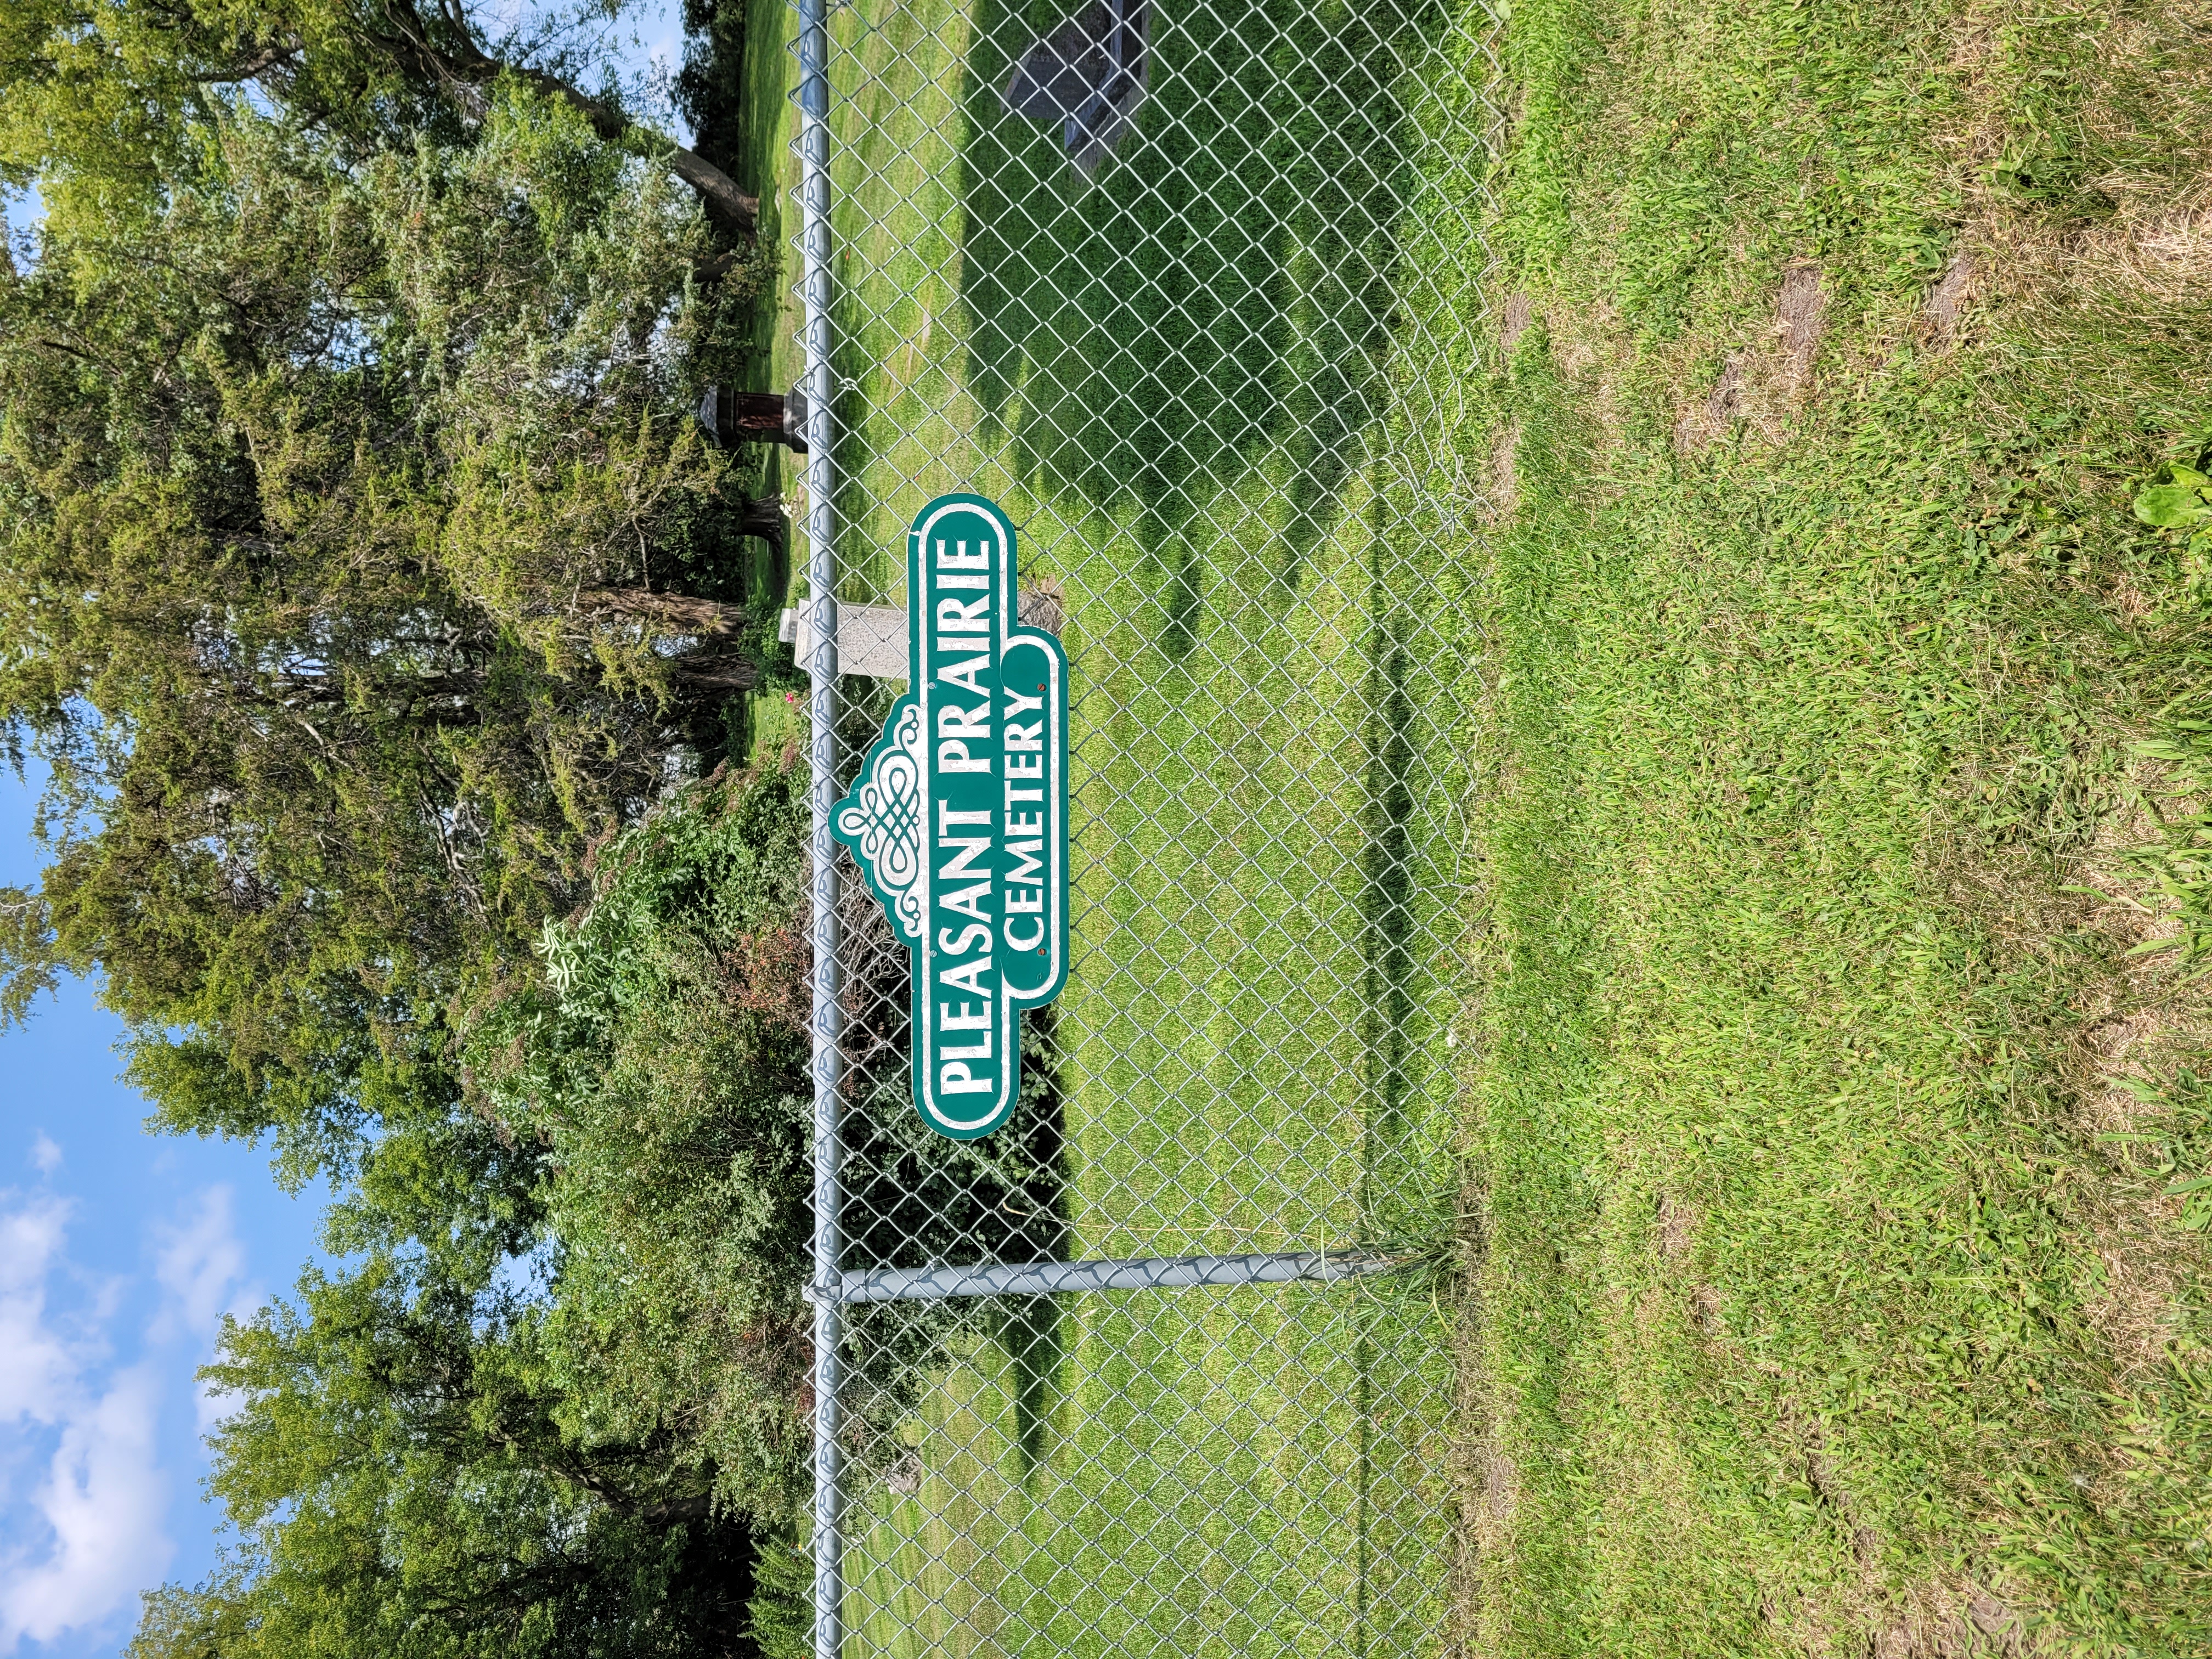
pixel 1219 293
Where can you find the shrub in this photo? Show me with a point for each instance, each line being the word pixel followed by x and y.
pixel 662 1065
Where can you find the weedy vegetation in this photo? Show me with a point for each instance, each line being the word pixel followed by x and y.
pixel 1839 1134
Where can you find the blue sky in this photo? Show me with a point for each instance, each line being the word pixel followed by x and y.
pixel 119 1254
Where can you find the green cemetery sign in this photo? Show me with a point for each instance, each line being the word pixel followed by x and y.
pixel 959 818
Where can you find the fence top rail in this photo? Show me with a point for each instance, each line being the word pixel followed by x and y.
pixel 1139 1274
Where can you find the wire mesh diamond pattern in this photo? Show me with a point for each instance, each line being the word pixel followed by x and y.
pixel 1183 287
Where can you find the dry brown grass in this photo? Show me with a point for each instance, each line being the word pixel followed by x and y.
pixel 1700 422
pixel 2158 251
pixel 1502 493
pixel 1957 1621
pixel 2131 264
pixel 1948 300
pixel 1770 383
pixel 1518 313
pixel 1800 315
pixel 1592 350
pixel 1488 1483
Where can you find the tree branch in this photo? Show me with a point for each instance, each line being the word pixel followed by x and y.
pixel 252 68
pixel 470 65
pixel 675 1509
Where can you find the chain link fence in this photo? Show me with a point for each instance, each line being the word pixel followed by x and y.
pixel 1183 288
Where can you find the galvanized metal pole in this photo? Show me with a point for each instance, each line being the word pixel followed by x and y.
pixel 1142 1274
pixel 828 1013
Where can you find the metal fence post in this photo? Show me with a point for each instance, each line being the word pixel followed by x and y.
pixel 822 582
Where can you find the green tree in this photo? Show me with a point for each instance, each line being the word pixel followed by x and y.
pixel 403 1481
pixel 558 1409
pixel 353 579
pixel 99 101
pixel 361 568
pixel 662 1064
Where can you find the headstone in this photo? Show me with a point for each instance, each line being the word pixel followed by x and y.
pixel 1089 75
pixel 870 639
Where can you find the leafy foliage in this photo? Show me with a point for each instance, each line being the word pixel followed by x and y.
pixel 361 565
pixel 348 510
pixel 669 1037
pixel 402 1484
pixel 2182 507
pixel 557 1407
pixel 100 102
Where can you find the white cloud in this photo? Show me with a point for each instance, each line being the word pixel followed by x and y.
pixel 202 1265
pixel 102 1501
pixel 46 1155
pixel 32 1234
pixel 90 1534
pixel 38 1370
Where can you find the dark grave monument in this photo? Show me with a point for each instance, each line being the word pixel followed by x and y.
pixel 1088 76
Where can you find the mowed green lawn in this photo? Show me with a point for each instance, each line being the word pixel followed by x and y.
pixel 1841 1285
pixel 1169 379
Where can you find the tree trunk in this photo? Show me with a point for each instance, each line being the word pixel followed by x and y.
pixel 693 616
pixel 717 666
pixel 716 671
pixel 764 517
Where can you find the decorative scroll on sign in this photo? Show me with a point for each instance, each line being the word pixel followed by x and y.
pixel 959 818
